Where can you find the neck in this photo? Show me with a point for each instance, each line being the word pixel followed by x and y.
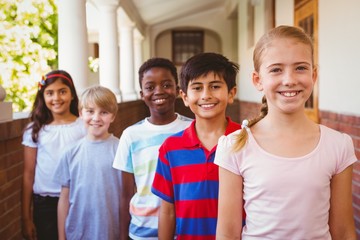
pixel 162 119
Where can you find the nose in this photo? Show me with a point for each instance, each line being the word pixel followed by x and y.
pixel 158 90
pixel 96 116
pixel 289 78
pixel 206 94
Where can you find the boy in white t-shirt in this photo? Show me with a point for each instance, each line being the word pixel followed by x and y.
pixel 137 153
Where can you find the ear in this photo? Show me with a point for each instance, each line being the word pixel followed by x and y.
pixel 231 95
pixel 315 75
pixel 257 81
pixel 142 95
pixel 177 90
pixel 184 98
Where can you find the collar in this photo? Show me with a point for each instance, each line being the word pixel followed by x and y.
pixel 191 139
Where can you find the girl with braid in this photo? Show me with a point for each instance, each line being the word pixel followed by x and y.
pixel 54 126
pixel 293 175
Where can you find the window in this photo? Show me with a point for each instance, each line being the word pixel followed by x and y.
pixel 186 44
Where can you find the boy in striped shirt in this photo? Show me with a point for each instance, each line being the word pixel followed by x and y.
pixel 186 177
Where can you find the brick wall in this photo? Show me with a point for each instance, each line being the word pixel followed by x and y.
pixel 351 125
pixel 341 122
pixel 11 159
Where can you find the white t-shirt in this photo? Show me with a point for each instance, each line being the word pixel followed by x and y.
pixel 138 154
pixel 52 141
pixel 287 198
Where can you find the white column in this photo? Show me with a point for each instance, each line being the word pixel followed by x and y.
pixel 138 60
pixel 73 42
pixel 127 85
pixel 108 48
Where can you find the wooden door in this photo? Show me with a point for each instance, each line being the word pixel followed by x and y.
pixel 306 17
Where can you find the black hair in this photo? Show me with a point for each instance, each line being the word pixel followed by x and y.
pixel 158 62
pixel 204 63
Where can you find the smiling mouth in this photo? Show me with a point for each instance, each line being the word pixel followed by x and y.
pixel 160 100
pixel 290 94
pixel 207 105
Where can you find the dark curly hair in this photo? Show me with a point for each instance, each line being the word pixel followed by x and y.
pixel 158 62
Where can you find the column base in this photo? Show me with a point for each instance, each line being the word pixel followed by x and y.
pixel 6 111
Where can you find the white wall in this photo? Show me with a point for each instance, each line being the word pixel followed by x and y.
pixel 339 56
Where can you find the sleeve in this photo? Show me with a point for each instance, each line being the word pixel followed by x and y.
pixel 27 139
pixel 123 156
pixel 347 156
pixel 163 185
pixel 225 157
pixel 62 170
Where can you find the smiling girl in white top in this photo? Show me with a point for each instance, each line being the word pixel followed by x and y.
pixel 54 126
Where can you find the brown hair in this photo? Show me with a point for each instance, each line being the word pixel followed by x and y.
pixel 40 115
pixel 264 42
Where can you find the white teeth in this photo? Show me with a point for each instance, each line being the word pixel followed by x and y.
pixel 159 100
pixel 207 105
pixel 289 94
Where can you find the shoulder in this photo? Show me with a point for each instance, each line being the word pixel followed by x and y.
pixel 331 136
pixel 183 118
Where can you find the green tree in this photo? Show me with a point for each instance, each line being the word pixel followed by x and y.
pixel 28 47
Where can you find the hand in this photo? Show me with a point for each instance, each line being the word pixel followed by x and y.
pixel 29 230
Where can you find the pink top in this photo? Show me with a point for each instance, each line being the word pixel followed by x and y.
pixel 287 198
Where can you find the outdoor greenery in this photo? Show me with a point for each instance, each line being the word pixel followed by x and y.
pixel 28 47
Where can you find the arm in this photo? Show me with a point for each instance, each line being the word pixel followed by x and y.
pixel 341 216
pixel 28 227
pixel 63 210
pixel 167 220
pixel 229 225
pixel 127 191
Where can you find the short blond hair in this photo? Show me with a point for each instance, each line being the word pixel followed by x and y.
pixel 101 97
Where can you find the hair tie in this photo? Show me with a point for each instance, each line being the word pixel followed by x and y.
pixel 43 79
pixel 245 124
pixel 41 82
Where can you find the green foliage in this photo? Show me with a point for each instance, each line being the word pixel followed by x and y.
pixel 28 47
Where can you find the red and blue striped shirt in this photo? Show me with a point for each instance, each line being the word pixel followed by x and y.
pixel 187 177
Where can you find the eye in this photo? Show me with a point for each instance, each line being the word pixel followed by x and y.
pixel 216 86
pixel 167 85
pixel 302 68
pixel 275 70
pixel 149 88
pixel 196 88
pixel 48 93
pixel 63 92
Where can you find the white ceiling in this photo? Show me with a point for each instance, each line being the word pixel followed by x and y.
pixel 158 11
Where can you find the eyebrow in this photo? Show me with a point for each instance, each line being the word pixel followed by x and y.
pixel 281 64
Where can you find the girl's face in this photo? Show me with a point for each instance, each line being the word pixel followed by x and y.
pixel 58 98
pixel 286 75
pixel 208 96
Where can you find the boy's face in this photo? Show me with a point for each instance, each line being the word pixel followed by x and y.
pixel 97 121
pixel 208 96
pixel 159 91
